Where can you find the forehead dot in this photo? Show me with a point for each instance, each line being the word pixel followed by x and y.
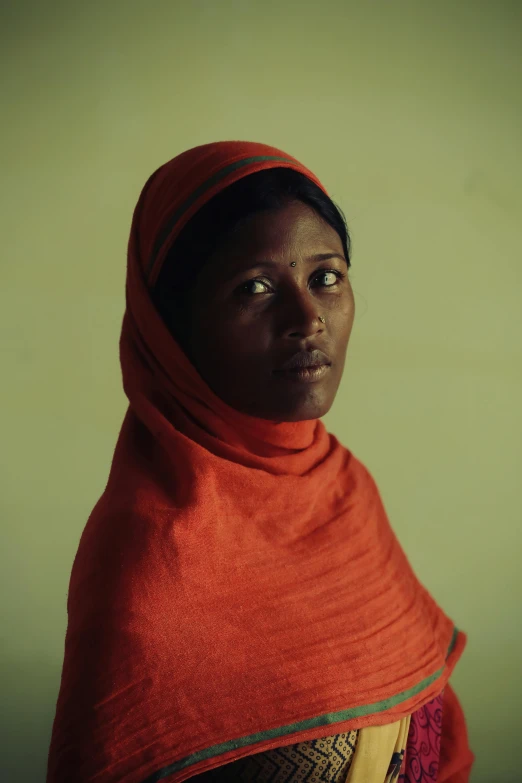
pixel 293 263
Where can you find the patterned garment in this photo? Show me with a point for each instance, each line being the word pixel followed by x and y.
pixel 317 761
pixel 328 760
pixel 421 760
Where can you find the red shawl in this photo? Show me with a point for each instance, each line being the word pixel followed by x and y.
pixel 237 586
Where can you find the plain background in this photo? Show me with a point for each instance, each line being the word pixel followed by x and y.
pixel 410 114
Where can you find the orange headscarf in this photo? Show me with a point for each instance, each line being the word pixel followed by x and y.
pixel 238 586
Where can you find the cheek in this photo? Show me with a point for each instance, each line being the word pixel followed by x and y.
pixel 347 314
pixel 342 320
pixel 232 346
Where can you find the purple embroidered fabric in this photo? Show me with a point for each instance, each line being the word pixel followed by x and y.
pixel 421 760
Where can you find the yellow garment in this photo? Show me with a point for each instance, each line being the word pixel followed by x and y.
pixel 375 748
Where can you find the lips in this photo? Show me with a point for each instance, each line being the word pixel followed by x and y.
pixel 304 374
pixel 303 369
pixel 304 360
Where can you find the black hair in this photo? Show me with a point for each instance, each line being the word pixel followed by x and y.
pixel 219 218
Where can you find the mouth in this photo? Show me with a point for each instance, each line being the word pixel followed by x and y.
pixel 310 374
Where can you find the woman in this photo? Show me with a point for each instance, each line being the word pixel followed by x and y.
pixel 239 607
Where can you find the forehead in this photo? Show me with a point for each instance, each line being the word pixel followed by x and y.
pixel 292 228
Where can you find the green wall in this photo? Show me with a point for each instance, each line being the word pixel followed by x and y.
pixel 410 113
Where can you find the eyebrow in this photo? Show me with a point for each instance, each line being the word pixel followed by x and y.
pixel 269 262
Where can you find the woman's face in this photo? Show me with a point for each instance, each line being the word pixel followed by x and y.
pixel 251 310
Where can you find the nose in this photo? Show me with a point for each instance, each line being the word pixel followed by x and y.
pixel 300 315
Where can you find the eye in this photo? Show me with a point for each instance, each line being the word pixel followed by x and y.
pixel 243 289
pixel 338 275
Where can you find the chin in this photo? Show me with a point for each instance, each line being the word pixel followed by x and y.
pixel 308 414
pixel 291 404
pixel 303 411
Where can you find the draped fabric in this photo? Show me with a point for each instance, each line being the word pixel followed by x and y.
pixel 238 585
pixel 409 750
